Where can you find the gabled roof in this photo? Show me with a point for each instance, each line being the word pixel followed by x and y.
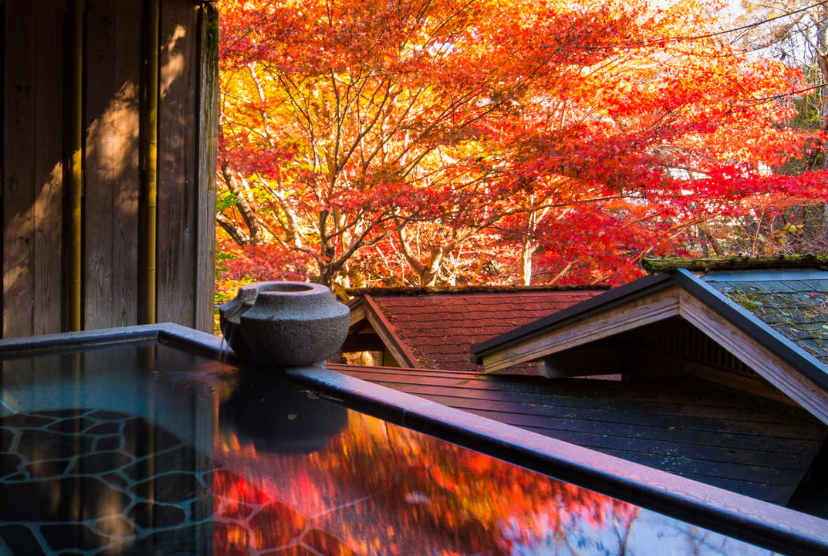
pixel 435 328
pixel 776 321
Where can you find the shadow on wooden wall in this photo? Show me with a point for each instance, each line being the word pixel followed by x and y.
pixel 37 119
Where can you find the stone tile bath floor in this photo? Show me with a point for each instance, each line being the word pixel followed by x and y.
pixel 119 491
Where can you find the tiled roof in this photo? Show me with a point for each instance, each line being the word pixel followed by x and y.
pixel 441 328
pixel 794 303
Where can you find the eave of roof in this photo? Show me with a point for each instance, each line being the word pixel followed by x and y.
pixel 465 290
pixel 386 330
pixel 750 324
pixel 739 263
pixel 611 298
pixel 805 363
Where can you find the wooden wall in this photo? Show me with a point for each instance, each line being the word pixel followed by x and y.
pixel 36 118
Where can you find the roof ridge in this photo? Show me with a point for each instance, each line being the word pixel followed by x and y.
pixel 706 264
pixel 405 350
pixel 433 290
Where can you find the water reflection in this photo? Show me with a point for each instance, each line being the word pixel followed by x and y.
pixel 376 488
pixel 151 450
pixel 272 417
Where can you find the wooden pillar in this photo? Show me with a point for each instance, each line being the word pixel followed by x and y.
pixel 19 164
pixel 207 161
pixel 178 162
pixel 103 281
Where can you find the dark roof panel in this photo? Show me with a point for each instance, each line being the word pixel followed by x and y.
pixel 784 310
pixel 745 444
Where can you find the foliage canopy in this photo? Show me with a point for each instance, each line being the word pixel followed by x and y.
pixel 423 141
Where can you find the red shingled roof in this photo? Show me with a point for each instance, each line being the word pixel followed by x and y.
pixel 439 329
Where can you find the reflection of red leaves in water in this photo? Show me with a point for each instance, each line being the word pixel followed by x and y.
pixel 235 510
pixel 230 539
pixel 238 489
pixel 378 489
pixel 248 519
pixel 295 550
pixel 326 543
pixel 276 525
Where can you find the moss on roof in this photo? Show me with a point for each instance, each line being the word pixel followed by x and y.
pixel 795 305
pixel 735 263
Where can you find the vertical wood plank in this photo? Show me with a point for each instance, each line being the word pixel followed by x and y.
pixel 177 162
pixel 2 146
pixel 48 169
pixel 207 153
pixel 18 155
pixel 128 180
pixel 100 164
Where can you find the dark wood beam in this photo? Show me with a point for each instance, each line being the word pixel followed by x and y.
pixel 362 342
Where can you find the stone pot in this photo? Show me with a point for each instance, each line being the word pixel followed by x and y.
pixel 284 324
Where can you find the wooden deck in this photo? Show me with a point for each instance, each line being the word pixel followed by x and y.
pixel 742 443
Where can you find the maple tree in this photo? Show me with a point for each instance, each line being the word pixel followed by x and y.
pixel 416 141
pixel 793 31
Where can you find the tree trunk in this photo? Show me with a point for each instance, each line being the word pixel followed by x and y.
pixel 427 274
pixel 822 63
pixel 714 244
pixel 246 209
pixel 232 230
pixel 526 263
pixel 528 248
